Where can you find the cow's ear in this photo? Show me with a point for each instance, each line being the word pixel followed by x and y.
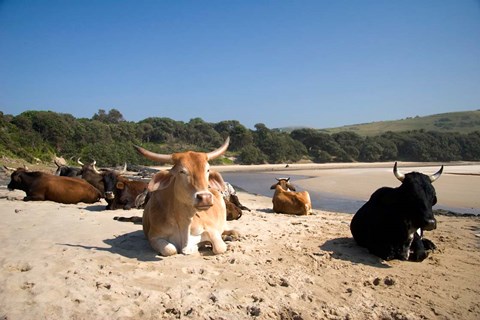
pixel 274 186
pixel 215 181
pixel 160 181
pixel 291 187
pixel 120 185
pixel 434 200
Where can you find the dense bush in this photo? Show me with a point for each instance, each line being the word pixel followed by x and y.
pixel 109 139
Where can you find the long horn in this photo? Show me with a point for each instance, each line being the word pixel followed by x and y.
pixel 437 175
pixel 216 153
pixel 57 163
pixel 398 175
pixel 124 169
pixel 164 158
pixel 80 162
pixel 95 168
pixel 9 169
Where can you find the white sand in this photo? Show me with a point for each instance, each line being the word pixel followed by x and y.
pixel 75 262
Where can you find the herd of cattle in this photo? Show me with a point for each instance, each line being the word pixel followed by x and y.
pixel 189 204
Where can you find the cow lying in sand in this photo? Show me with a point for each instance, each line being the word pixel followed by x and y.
pixel 287 200
pixel 185 208
pixel 391 224
pixel 41 186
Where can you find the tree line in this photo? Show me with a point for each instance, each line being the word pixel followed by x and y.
pixel 108 138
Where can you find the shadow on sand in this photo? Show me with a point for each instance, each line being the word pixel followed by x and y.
pixel 131 245
pixel 94 208
pixel 347 249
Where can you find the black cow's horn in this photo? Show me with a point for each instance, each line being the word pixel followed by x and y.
pixel 9 168
pixel 437 175
pixel 398 175
pixel 124 169
pixel 95 168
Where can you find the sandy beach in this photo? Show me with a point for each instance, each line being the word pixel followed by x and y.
pixel 76 262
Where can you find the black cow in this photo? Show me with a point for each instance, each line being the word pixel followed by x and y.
pixel 93 176
pixel 66 171
pixel 391 224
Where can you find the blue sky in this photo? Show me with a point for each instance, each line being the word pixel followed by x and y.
pixel 282 63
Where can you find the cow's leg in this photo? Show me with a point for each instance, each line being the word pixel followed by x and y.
pixel 429 245
pixel 163 247
pixel 417 249
pixel 386 252
pixel 192 245
pixel 34 197
pixel 218 245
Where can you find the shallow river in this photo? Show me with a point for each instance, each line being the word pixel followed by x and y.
pixel 260 183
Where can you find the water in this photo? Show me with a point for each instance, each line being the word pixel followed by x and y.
pixel 260 183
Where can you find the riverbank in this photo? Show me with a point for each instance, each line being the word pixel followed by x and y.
pixel 456 189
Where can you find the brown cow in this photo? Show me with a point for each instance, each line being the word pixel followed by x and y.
pixel 41 186
pixel 286 200
pixel 125 193
pixel 185 207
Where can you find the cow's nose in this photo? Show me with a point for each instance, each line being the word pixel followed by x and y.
pixel 431 224
pixel 109 195
pixel 204 199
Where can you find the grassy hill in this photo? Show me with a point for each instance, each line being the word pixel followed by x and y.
pixel 462 122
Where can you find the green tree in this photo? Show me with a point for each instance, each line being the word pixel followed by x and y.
pixel 240 136
pixel 113 116
pixel 251 155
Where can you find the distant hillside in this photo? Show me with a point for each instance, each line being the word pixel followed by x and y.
pixel 461 122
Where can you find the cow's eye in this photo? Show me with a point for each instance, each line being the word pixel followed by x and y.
pixel 183 171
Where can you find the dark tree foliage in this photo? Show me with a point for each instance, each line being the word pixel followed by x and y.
pixel 277 146
pixel 109 139
pixel 113 116
pixel 240 137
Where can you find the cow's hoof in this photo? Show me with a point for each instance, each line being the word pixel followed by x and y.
pixel 219 247
pixel 164 247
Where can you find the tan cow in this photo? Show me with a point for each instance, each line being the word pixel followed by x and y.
pixel 185 208
pixel 287 200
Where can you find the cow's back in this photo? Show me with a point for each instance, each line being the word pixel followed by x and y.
pixel 372 220
pixel 291 202
pixel 69 190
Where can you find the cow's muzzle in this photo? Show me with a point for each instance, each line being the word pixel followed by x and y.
pixel 109 195
pixel 430 224
pixel 203 200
